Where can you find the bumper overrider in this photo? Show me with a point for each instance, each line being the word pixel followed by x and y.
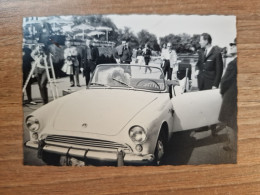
pixel 119 156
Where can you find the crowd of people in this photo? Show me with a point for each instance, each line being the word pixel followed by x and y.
pixel 66 59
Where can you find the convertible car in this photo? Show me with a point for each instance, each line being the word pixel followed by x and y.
pixel 127 115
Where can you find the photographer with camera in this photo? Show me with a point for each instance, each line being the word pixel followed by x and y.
pixel 40 60
pixel 27 66
pixel 71 63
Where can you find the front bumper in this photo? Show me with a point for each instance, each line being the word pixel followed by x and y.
pixel 103 156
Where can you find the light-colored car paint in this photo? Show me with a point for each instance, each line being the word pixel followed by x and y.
pixel 109 113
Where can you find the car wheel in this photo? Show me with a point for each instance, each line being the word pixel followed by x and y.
pixel 160 149
pixel 51 159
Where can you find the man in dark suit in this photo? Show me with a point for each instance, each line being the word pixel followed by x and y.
pixel 209 68
pixel 147 56
pixel 228 90
pixel 122 53
pixel 90 55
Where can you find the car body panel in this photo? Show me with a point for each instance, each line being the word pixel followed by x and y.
pixel 196 109
pixel 105 111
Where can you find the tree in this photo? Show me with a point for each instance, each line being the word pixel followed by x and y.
pixel 182 43
pixel 98 20
pixel 175 40
pixel 127 34
pixel 195 39
pixel 146 37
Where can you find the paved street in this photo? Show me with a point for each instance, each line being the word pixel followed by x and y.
pixel 185 148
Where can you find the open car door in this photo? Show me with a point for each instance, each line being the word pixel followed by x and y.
pixel 196 109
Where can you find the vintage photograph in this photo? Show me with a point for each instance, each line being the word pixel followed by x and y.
pixel 120 90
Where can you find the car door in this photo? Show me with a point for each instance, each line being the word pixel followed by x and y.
pixel 196 109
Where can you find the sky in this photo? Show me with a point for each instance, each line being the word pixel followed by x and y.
pixel 221 28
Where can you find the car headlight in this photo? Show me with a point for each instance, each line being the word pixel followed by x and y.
pixel 32 123
pixel 137 134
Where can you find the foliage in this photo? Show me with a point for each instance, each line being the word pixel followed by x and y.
pixel 127 34
pixel 182 43
pixel 145 37
pixel 117 35
pixel 100 20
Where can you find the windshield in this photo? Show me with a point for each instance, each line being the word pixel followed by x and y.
pixel 128 76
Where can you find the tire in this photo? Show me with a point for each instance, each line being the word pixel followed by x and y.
pixel 51 159
pixel 160 149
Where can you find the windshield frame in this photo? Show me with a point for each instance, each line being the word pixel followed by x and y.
pixel 126 87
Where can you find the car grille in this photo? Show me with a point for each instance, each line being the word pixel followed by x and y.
pixel 79 142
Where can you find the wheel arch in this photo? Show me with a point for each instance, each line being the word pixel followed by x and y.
pixel 165 130
pixel 163 136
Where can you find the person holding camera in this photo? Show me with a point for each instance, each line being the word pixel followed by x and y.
pixel 40 60
pixel 71 63
pixel 27 61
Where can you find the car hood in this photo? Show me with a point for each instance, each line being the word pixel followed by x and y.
pixel 101 111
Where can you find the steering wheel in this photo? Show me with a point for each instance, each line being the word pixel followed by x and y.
pixel 156 86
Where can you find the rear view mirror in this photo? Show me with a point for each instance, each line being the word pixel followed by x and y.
pixel 171 84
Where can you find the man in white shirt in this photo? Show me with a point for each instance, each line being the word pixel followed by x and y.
pixel 169 57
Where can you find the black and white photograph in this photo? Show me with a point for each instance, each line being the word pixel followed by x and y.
pixel 129 90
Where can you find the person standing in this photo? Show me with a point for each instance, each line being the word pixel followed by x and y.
pixel 147 56
pixel 71 63
pixel 228 90
pixel 45 33
pixel 27 60
pixel 209 67
pixel 40 60
pixel 139 56
pixel 89 59
pixel 75 65
pixel 170 61
pixel 164 49
pixel 122 53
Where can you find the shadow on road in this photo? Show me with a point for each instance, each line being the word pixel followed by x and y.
pixel 182 145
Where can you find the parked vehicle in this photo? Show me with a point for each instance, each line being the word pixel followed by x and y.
pixel 124 115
